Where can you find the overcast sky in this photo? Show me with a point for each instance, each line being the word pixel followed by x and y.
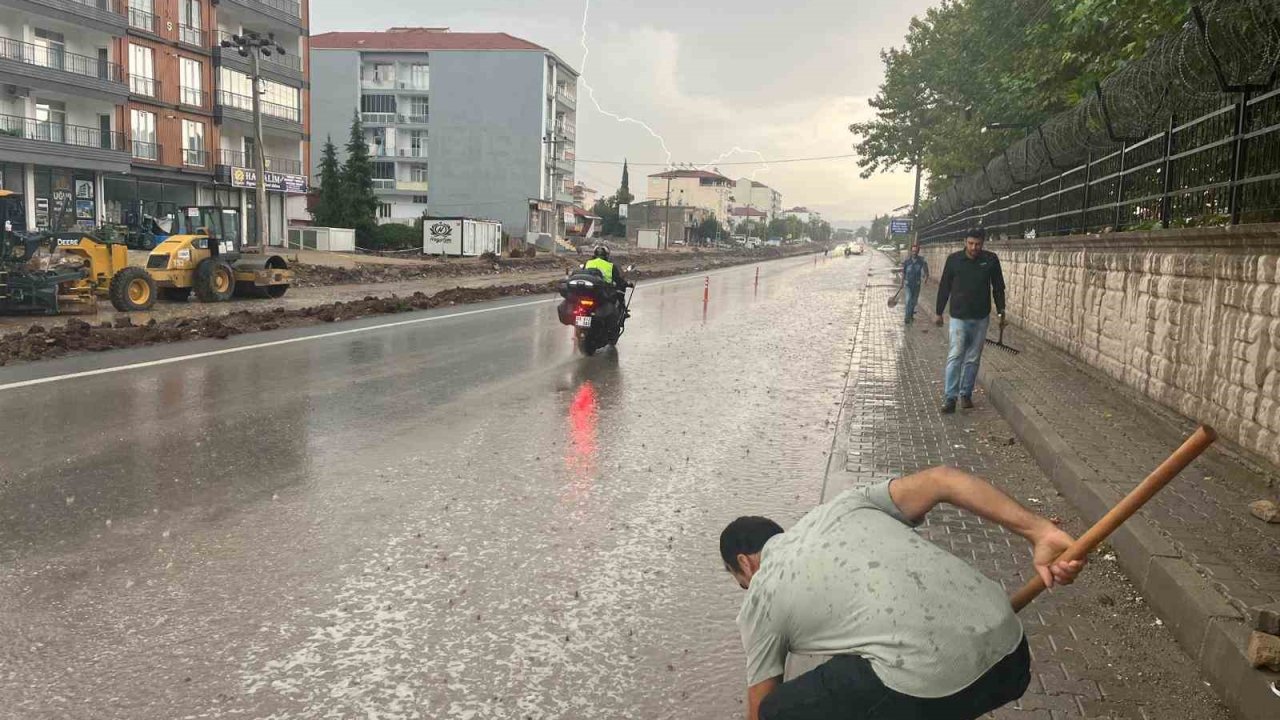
pixel 783 79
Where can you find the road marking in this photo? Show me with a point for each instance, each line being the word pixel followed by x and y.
pixel 308 338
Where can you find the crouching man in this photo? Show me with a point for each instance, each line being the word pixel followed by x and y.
pixel 912 631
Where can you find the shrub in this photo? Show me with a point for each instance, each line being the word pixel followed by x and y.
pixel 394 236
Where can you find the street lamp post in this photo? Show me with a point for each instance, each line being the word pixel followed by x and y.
pixel 254 46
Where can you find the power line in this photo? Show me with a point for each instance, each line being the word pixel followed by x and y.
pixel 744 162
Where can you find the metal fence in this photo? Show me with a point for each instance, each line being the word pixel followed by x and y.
pixel 1223 167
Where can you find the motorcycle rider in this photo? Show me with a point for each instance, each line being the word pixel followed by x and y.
pixel 612 274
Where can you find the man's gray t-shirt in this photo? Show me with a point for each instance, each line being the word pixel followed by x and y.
pixel 853 578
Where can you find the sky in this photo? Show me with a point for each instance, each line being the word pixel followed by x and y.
pixel 715 83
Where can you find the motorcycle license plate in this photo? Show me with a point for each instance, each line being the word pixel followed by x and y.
pixel 583 322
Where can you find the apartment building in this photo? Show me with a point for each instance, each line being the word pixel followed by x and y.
pixel 694 188
pixel 460 124
pixel 111 108
pixel 756 195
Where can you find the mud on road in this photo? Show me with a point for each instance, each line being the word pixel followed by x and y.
pixel 34 339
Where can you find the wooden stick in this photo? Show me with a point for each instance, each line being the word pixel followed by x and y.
pixel 1125 509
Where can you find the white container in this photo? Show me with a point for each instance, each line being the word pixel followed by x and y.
pixel 649 239
pixel 461 237
pixel 322 238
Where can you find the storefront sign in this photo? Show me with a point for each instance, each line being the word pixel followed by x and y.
pixel 900 226
pixel 275 182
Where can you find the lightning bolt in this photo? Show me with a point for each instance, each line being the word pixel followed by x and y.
pixel 736 150
pixel 582 78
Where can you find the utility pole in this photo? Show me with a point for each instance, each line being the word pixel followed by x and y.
pixel 551 140
pixel 668 222
pixel 254 46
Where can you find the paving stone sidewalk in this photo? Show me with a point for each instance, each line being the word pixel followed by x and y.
pixel 1098 650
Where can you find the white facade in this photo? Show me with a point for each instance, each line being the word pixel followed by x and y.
pixel 757 195
pixel 703 189
pixel 804 215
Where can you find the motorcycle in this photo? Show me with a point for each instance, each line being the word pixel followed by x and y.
pixel 594 309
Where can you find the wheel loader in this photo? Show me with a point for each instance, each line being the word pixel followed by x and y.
pixel 205 256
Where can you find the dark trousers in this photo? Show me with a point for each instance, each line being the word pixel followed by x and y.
pixel 846 688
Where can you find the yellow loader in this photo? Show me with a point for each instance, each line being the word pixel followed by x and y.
pixel 205 256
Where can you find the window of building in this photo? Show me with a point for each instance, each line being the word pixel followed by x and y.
pixel 420 199
pixel 142 14
pixel 51 121
pixel 418 173
pixel 236 90
pixel 384 210
pixel 189 22
pixel 193 152
pixel 418 109
pixel 143 133
pixel 142 70
pixel 192 74
pixel 417 143
pixel 378 104
pixel 51 49
pixel 419 76
pixel 57 208
pixel 383 74
pixel 384 171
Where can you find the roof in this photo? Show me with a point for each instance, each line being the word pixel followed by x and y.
pixel 701 174
pixel 420 39
pixel 747 212
pixel 757 183
pixel 798 210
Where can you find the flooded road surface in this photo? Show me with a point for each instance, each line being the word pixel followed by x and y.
pixel 453 518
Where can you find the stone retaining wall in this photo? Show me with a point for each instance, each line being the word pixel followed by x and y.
pixel 1191 318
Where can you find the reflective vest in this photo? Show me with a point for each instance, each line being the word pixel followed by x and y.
pixel 604 266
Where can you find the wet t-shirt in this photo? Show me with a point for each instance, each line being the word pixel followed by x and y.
pixel 853 578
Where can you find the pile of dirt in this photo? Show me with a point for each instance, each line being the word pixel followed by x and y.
pixel 41 343
pixel 368 273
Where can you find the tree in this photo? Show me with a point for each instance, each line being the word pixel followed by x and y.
pixel 624 196
pixel 967 63
pixel 331 207
pixel 708 229
pixel 862 232
pixel 357 183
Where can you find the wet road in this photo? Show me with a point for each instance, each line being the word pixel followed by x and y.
pixel 451 517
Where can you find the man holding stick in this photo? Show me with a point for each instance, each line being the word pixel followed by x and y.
pixel 912 631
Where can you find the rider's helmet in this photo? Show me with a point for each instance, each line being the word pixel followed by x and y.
pixel 601 252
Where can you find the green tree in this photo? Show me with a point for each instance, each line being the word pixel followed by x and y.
pixel 708 229
pixel 611 225
pixel 862 232
pixel 966 63
pixel 331 207
pixel 624 196
pixel 357 183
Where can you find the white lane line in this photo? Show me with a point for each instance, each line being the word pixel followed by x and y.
pixel 306 338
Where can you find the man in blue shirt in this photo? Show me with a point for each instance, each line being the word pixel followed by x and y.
pixel 914 272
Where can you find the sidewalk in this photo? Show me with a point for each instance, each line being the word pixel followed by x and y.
pixel 1098 650
pixel 1197 555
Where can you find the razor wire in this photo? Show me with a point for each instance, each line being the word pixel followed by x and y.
pixel 1223 45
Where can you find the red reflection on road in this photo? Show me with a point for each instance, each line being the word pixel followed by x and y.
pixel 581 455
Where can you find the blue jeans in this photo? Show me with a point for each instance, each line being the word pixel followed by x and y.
pixel 913 295
pixel 967 340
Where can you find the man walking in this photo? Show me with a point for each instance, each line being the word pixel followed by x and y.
pixel 970 280
pixel 914 272
pixel 913 632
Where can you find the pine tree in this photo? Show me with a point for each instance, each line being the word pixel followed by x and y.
pixel 624 196
pixel 357 183
pixel 331 205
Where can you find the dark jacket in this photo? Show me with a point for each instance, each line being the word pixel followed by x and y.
pixel 970 286
pixel 914 271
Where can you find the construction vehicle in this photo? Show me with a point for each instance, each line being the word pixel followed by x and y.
pixel 205 255
pixel 108 273
pixel 28 280
pixel 143 230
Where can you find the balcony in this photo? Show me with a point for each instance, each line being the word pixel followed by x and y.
pixel 413 118
pixel 24 139
pixel 384 184
pixel 419 186
pixel 142 86
pixel 568 132
pixel 106 16
pixel 569 100
pixel 288 11
pixel 239 108
pixel 564 165
pixel 236 158
pixel 193 36
pixel 378 118
pixel 144 21
pixel 193 97
pixel 148 151
pixel 78 75
pixel 419 153
pixel 195 158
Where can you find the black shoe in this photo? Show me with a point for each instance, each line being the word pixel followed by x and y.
pixel 949 407
pixel 966 402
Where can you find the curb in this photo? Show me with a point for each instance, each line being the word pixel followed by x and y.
pixel 1210 631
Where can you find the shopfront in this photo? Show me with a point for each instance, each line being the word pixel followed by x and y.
pixel 64 199
pixel 238 186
